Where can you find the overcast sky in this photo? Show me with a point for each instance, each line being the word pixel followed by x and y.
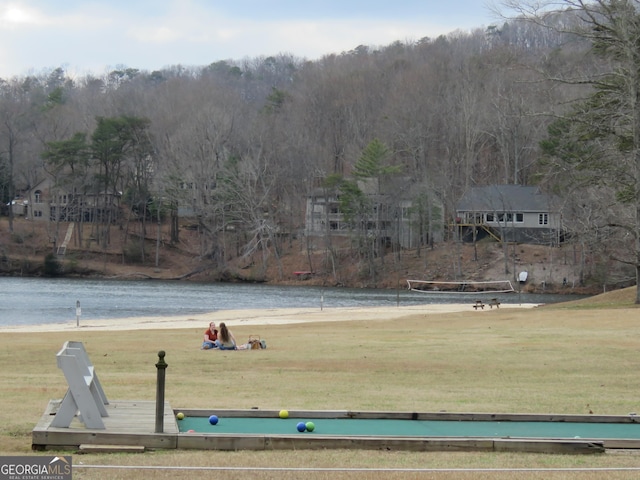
pixel 95 36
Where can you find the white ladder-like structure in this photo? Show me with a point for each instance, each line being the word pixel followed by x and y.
pixel 62 249
pixel 85 396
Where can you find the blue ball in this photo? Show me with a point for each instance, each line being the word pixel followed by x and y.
pixel 213 419
pixel 301 426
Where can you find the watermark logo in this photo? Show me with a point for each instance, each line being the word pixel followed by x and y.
pixel 35 468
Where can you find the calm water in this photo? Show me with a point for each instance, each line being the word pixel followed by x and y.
pixel 31 301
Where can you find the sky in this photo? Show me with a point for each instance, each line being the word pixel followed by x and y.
pixel 97 36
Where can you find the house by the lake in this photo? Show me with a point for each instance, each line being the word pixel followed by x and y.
pixel 48 201
pixel 512 213
pixel 393 214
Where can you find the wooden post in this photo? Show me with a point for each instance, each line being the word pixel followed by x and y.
pixel 160 384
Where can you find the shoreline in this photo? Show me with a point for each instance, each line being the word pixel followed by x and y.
pixel 239 318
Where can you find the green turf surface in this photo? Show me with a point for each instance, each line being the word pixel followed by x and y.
pixel 411 428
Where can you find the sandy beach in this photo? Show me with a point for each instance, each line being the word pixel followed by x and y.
pixel 276 316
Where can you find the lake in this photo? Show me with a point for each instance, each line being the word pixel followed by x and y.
pixel 32 301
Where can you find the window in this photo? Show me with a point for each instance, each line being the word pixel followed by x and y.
pixel 490 217
pixel 37 196
pixel 519 217
pixel 543 219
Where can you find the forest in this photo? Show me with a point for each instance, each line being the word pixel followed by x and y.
pixel 238 145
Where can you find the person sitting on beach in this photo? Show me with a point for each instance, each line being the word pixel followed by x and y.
pixel 210 337
pixel 226 340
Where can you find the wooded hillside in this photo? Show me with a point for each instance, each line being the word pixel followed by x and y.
pixel 235 147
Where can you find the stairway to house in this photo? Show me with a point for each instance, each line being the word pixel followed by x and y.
pixel 62 249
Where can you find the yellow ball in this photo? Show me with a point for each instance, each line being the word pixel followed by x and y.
pixel 180 416
pixel 284 414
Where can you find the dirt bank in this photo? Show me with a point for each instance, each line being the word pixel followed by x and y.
pixel 550 269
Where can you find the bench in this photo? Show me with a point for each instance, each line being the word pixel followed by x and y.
pixel 494 302
pixel 478 305
pixel 85 396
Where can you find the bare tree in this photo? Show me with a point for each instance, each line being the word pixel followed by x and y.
pixel 607 121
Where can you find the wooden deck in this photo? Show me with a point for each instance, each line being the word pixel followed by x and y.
pixel 129 423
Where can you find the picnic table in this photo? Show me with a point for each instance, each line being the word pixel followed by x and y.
pixel 478 304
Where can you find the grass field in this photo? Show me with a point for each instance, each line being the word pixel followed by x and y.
pixel 573 358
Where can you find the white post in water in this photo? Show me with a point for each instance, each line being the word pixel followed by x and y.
pixel 78 313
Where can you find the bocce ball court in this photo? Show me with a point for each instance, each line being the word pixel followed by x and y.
pixel 260 430
pixel 131 424
pixel 86 420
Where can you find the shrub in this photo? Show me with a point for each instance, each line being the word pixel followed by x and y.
pixel 52 267
pixel 132 252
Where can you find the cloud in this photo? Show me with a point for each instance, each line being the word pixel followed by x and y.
pixel 38 34
pixel 156 35
pixel 22 16
pixel 16 15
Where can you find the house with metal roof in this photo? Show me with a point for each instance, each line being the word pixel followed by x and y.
pixel 512 213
